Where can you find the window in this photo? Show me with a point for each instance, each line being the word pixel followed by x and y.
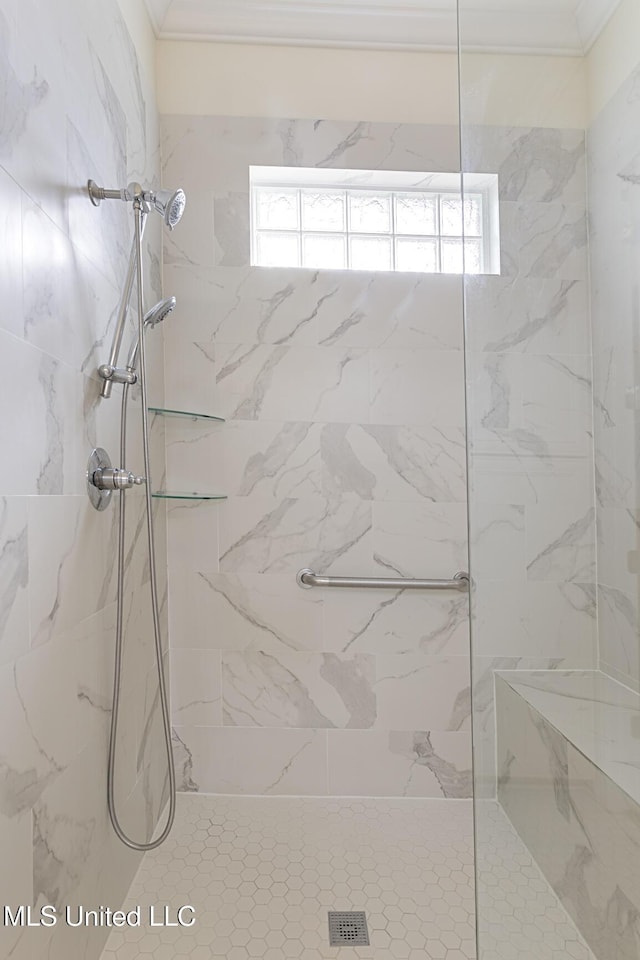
pixel 373 220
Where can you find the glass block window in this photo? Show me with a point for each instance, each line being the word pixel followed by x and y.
pixel 336 226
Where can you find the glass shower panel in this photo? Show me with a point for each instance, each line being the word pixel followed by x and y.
pixel 340 721
pixel 552 387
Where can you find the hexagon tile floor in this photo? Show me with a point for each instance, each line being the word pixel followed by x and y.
pixel 262 873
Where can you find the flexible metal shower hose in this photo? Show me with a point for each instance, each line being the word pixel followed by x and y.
pixel 162 685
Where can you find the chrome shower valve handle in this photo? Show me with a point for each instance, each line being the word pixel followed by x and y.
pixel 113 478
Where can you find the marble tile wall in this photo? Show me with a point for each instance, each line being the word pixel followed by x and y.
pixel 614 204
pixel 530 421
pixel 61 268
pixel 343 451
pixel 580 826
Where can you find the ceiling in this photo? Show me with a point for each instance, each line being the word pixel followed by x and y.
pixel 531 26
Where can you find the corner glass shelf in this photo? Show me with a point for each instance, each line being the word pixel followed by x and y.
pixel 184 414
pixel 170 495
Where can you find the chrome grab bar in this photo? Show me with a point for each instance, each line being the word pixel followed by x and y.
pixel 308 579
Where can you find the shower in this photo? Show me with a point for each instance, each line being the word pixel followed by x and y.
pixel 153 317
pixel 103 479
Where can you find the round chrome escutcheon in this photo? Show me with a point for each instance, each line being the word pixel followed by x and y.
pixel 99 460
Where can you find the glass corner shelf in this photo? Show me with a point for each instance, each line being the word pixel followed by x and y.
pixel 170 495
pixel 184 414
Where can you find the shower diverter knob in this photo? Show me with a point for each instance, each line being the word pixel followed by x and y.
pixel 112 478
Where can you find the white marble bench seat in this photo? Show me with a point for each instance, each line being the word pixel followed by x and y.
pixel 569 779
pixel 598 715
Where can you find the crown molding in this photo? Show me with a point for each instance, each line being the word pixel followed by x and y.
pixel 157 10
pixel 561 27
pixel 350 23
pixel 592 16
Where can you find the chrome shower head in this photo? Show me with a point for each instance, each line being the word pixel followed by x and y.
pixel 170 205
pixel 151 319
pixel 159 312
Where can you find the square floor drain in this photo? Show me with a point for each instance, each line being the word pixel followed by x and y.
pixel 348 928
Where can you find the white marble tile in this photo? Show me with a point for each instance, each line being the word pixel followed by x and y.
pixel 417 387
pixel 276 382
pixel 618 547
pixel 366 146
pixel 535 619
pixel 301 690
pixel 44 429
pixel 421 540
pixel 543 240
pixel 385 462
pixel 152 760
pixel 196 693
pixel 49 301
pixel 68 832
pixel 557 399
pixel 498 542
pixel 278 306
pixel 560 540
pixel 518 468
pixel 331 308
pixel 61 263
pixel 399 764
pixel 564 800
pixel 232 611
pixel 232 233
pixel 248 457
pixel 484 716
pixel 192 531
pixel 223 147
pixel 36 83
pixel 396 621
pixel 394 311
pixel 618 634
pixel 14 578
pixel 540 164
pixel 542 404
pixel 245 760
pixel 190 382
pixel 495 395
pixel 421 692
pixel 66 572
pixel 267 535
pixel 103 236
pixel 90 647
pixel 41 733
pixel 16 878
pixel 11 242
pixel 521 315
pixel 594 713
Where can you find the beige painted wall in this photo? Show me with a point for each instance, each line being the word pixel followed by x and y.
pixel 219 79
pixel 614 55
pixel 523 91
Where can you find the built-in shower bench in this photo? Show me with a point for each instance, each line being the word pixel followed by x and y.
pixel 568 753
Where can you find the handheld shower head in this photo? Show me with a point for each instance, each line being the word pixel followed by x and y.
pixel 153 317
pixel 170 205
pixel 159 312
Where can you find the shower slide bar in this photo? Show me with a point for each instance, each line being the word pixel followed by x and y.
pixel 308 579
